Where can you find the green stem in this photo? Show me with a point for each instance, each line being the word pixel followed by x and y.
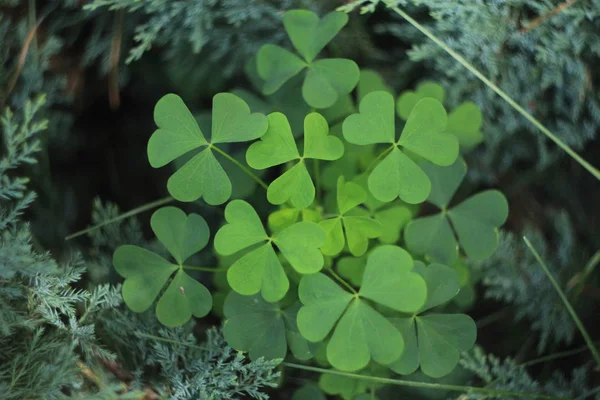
pixel 206 269
pixel 241 166
pixel 425 385
pixel 498 91
pixel 162 339
pixel 379 157
pixel 317 180
pixel 556 356
pixel 131 213
pixel 342 281
pixel 566 302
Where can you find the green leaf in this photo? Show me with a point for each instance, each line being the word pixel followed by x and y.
pixel 309 34
pixel 295 185
pixel 368 334
pixel 442 284
pixel 371 81
pixel 476 221
pixel 183 298
pixel 182 235
pixel 398 176
pixel 323 302
pixel 374 122
pixel 243 229
pixel 233 122
pixel 439 338
pixel 444 181
pixel 276 66
pixel 285 217
pixel 300 245
pixel 145 274
pixel 277 146
pixel 349 195
pixel 423 133
pixel 254 326
pixel 352 269
pixel 389 280
pixel 442 337
pixel 300 347
pixel 392 221
pixel 327 79
pixel 334 236
pixel 260 269
pixel 318 144
pixel 309 392
pixel 213 184
pixel 433 236
pixel 407 100
pixel 465 123
pixel 178 133
pixel 359 229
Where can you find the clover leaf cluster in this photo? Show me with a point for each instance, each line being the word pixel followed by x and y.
pixel 344 269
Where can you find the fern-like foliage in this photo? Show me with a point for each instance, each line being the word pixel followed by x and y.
pixel 547 67
pixel 513 275
pixel 507 375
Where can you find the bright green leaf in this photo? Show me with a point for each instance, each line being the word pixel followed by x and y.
pixel 423 133
pixel 389 280
pixel 334 236
pixel 327 79
pixel 374 122
pixel 276 66
pixel 244 228
pixel 359 229
pixel 352 269
pixel 300 245
pixel 318 143
pixel 277 146
pixel 398 176
pixel 369 336
pixel 232 120
pixel 407 100
pixel 465 123
pixel 183 298
pixel 323 302
pixel 181 234
pixel 349 195
pixel 309 34
pixel 295 186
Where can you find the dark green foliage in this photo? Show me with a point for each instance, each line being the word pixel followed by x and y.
pixel 547 68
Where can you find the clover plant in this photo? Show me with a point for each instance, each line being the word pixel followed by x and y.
pixel 327 262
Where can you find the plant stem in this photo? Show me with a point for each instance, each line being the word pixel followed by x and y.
pixel 566 302
pixel 556 356
pixel 162 339
pixel 426 385
pixel 379 157
pixel 342 281
pixel 241 166
pixel 206 269
pixel 498 91
pixel 556 10
pixel 131 213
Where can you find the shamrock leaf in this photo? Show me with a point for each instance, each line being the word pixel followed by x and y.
pixel 349 388
pixel 277 147
pixel 397 175
pixel 465 123
pixel 434 341
pixel 263 329
pixel 326 79
pixel 178 133
pixel 146 273
pixel 357 226
pixel 281 219
pixel 260 269
pixel 475 220
pixel 370 81
pixel 388 280
pixel 409 99
pixel 392 216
